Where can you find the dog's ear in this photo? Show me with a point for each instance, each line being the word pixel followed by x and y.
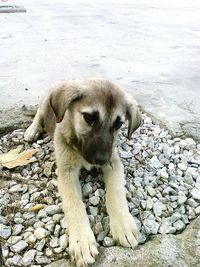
pixel 133 115
pixel 62 96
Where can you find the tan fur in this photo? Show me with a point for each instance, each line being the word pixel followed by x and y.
pixel 62 115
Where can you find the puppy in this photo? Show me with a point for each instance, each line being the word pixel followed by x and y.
pixel 84 118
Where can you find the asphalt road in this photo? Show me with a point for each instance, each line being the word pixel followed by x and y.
pixel 150 48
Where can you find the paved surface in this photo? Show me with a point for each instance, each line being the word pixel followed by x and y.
pixel 151 48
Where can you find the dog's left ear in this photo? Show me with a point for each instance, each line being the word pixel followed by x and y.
pixel 133 115
pixel 62 96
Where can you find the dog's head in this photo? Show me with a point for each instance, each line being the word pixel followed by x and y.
pixel 96 109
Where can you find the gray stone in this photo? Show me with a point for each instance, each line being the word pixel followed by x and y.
pixel 28 257
pixel 14 239
pixel 190 143
pixel 94 200
pixel 20 246
pixel 158 208
pixel 52 209
pixel 181 198
pixel 17 229
pixel 151 226
pixel 195 193
pixel 191 202
pixel 87 190
pixel 41 233
pixel 42 260
pixel 16 188
pixel 182 166
pixel 155 163
pixel 179 225
pixel 166 226
pixel 54 242
pixel 63 241
pixel 197 210
pixel 5 231
pixel 93 211
pixel 108 241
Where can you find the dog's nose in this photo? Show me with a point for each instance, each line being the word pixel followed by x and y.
pixel 101 160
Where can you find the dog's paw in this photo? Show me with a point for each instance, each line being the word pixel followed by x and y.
pixel 32 133
pixel 125 231
pixel 83 249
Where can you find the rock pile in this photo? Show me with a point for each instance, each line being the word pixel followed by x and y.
pixel 163 194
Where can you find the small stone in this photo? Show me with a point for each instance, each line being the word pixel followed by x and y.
pixel 158 208
pixel 87 190
pixel 182 143
pixel 179 225
pixel 57 217
pixel 54 242
pixel 20 246
pixel 52 210
pixel 28 257
pixel 181 198
pixel 188 179
pixel 99 193
pixel 31 239
pixel 42 260
pixel 176 149
pixel 57 230
pixel 98 228
pixel 5 231
pixel 191 202
pixel 94 200
pixel 63 241
pixel 40 245
pixel 108 242
pixel 151 226
pixel 124 154
pixel 155 163
pixel 197 210
pixel 137 147
pixel 166 227
pixel 175 217
pixel 14 239
pixel 16 188
pixel 182 166
pixel 93 210
pixel 167 150
pixel 101 236
pixel 164 175
pixel 151 191
pixel 41 233
pixel 195 193
pixel 16 260
pixel 17 229
pixel 190 143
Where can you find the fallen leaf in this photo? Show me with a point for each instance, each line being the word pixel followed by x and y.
pixel 36 208
pixel 14 158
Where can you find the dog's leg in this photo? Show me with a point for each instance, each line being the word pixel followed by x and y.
pixel 36 127
pixel 82 243
pixel 122 224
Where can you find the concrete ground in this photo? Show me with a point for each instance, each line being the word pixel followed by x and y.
pixel 151 48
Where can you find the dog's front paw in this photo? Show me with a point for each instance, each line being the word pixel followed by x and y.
pixel 124 230
pixel 32 133
pixel 83 249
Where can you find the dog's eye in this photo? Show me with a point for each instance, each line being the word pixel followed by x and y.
pixel 89 118
pixel 118 123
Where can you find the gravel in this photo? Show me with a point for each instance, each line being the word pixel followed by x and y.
pixel 163 193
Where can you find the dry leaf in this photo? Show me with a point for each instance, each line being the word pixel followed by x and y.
pixel 36 208
pixel 14 158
